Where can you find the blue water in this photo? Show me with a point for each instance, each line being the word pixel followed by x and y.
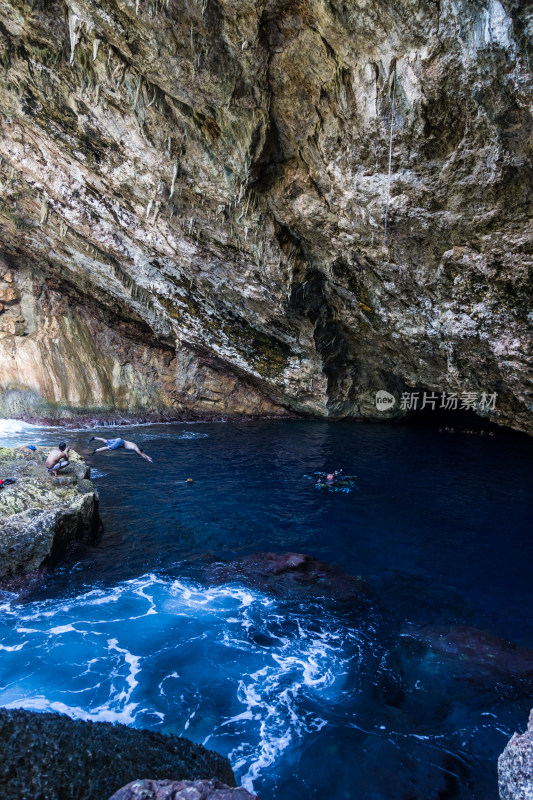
pixel 304 695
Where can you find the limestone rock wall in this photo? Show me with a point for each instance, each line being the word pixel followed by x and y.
pixel 215 173
pixel 61 357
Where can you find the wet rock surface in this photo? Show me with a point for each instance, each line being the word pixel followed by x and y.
pixel 54 757
pixel 42 517
pixel 194 200
pixel 515 766
pixel 181 790
pixel 284 573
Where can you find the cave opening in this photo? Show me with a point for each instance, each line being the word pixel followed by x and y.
pixel 449 420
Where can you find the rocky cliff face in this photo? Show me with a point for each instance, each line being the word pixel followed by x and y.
pixel 195 196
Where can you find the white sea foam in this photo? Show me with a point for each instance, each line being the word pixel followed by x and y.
pixel 14 432
pixel 145 437
pixel 97 473
pixel 12 427
pixel 266 672
pixel 275 698
pixel 62 629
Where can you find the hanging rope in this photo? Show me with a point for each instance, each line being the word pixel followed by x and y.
pixel 390 158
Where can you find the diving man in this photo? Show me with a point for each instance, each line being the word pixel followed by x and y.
pixel 117 444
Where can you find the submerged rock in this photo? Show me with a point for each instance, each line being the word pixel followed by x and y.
pixel 53 757
pixel 515 766
pixel 42 517
pixel 181 790
pixel 474 652
pixel 282 573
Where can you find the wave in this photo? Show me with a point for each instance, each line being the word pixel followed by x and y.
pixel 191 435
pixel 144 437
pixel 12 427
pixel 226 666
pixel 97 473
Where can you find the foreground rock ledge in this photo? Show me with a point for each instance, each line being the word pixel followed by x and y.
pixel 515 766
pixel 181 790
pixel 42 517
pixel 54 757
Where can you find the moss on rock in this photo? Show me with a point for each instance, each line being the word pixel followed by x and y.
pixel 42 517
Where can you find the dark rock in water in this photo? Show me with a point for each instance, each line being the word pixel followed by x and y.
pixel 42 517
pixel 53 757
pixel 281 573
pixel 181 790
pixel 475 653
pixel 515 766
pixel 434 670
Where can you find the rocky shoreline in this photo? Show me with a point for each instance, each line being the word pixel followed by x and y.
pixel 107 419
pixel 42 517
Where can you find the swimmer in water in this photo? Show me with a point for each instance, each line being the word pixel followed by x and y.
pixel 117 444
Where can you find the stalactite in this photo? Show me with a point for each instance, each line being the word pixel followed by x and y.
pixel 174 176
pixel 152 101
pixel 74 28
pixel 137 92
pixel 44 212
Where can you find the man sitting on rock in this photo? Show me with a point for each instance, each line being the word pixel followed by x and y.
pixel 57 459
pixel 117 444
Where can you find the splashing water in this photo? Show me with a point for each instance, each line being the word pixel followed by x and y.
pixel 232 670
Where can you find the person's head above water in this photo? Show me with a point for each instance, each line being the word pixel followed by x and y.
pixel 62 446
pixel 330 476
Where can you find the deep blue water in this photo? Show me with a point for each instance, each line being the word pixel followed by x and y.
pixel 304 695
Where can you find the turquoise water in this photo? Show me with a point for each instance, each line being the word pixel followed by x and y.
pixel 304 695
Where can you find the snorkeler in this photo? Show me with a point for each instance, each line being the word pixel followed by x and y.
pixel 57 459
pixel 117 444
pixel 334 481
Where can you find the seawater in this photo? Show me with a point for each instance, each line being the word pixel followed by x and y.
pixel 304 695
